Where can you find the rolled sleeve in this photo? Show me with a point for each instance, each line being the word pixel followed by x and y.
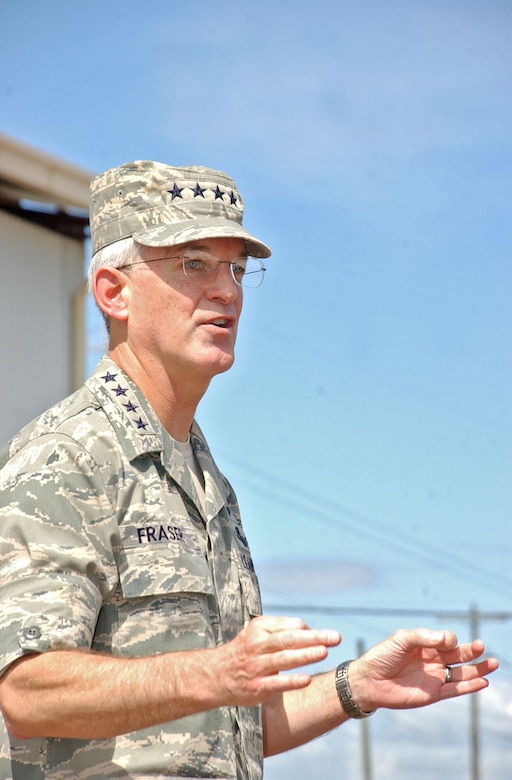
pixel 56 553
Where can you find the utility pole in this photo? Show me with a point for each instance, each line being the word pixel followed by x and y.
pixel 474 617
pixel 473 704
pixel 365 731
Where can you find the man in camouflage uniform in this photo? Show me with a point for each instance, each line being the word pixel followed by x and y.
pixel 122 550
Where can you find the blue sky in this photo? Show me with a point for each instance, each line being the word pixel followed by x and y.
pixel 367 422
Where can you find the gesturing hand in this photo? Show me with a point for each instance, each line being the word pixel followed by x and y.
pixel 408 670
pixel 248 667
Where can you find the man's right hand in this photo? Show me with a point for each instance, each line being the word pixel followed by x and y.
pixel 248 666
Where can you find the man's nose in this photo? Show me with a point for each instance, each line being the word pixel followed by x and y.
pixel 222 284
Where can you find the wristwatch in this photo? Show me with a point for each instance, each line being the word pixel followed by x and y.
pixel 345 694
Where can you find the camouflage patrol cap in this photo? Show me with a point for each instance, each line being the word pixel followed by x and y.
pixel 161 205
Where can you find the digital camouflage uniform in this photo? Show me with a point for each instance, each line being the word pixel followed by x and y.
pixel 104 546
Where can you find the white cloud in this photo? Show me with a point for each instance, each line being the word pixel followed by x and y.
pixel 313 576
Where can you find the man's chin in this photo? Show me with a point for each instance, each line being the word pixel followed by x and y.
pixel 227 365
pixel 219 363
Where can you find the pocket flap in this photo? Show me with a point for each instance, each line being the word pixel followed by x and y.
pixel 162 565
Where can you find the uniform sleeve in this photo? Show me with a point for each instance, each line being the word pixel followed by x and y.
pixel 57 560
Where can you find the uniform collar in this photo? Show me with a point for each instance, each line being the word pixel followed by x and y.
pixel 135 422
pixel 141 432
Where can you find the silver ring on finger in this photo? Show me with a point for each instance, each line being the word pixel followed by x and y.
pixel 447 674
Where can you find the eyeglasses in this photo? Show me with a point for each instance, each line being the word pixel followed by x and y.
pixel 202 267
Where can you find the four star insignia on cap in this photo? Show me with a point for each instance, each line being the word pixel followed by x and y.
pixel 198 192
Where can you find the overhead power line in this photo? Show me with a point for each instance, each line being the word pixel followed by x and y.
pixel 308 503
pixel 441 614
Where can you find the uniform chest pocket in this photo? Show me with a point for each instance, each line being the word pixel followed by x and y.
pixel 164 599
pixel 163 561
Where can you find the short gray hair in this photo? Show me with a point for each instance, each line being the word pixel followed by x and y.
pixel 116 255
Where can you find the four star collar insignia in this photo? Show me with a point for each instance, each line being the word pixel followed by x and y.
pixel 121 394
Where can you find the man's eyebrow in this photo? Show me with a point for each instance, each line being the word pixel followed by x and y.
pixel 209 250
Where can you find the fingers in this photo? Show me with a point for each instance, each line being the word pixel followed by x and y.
pixel 274 623
pixel 469 672
pixel 268 646
pixel 288 647
pixel 282 633
pixel 469 678
pixel 466 677
pixel 464 653
pixel 468 685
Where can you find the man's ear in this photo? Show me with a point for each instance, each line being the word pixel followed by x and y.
pixel 111 290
